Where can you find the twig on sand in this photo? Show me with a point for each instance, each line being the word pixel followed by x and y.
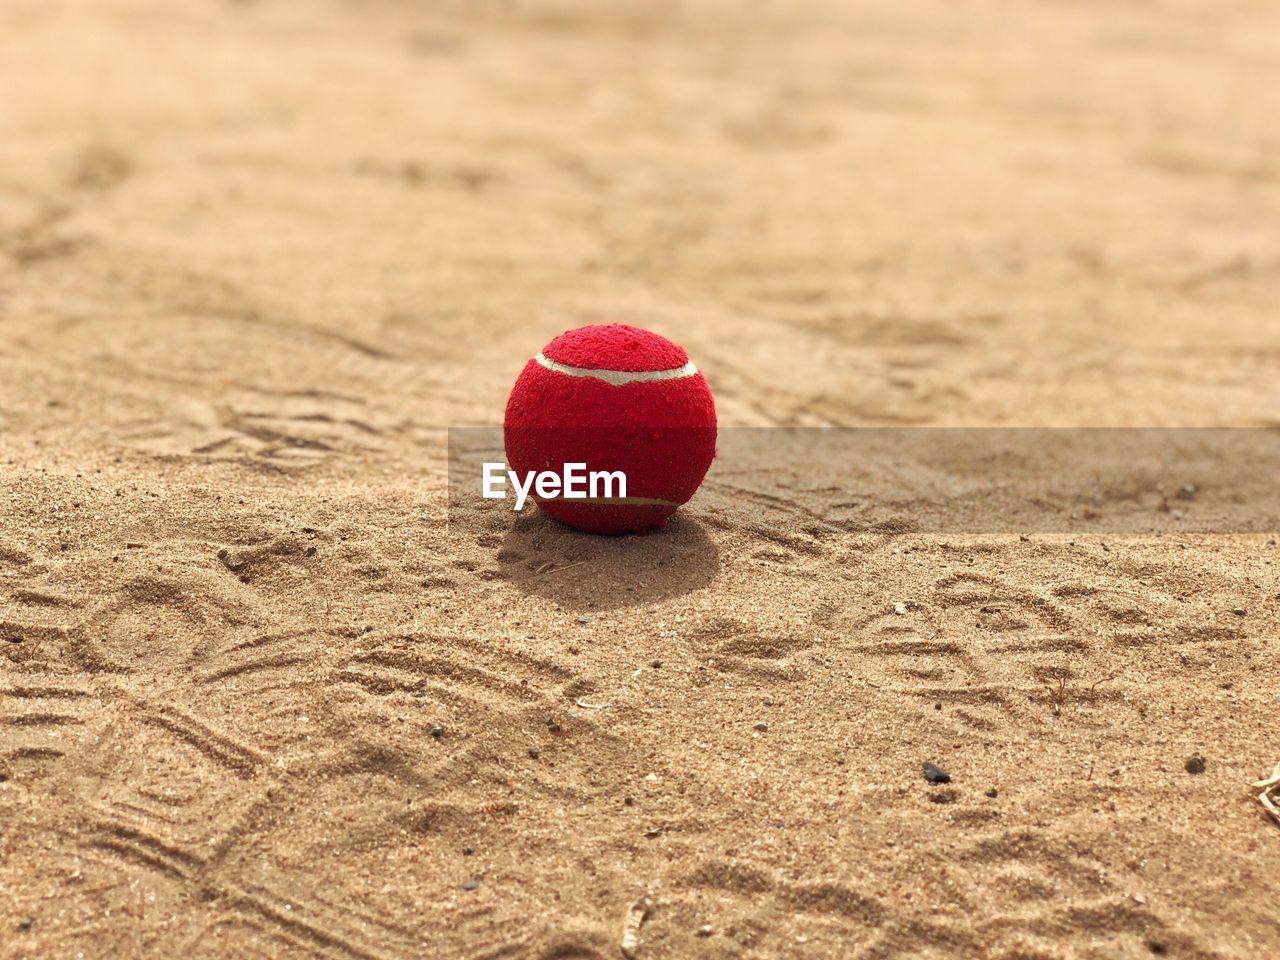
pixel 550 567
pixel 1269 795
pixel 636 914
pixel 1057 697
pixel 591 706
pixel 1058 694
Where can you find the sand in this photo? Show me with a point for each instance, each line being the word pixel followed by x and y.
pixel 258 698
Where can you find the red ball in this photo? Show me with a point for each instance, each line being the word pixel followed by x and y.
pixel 615 398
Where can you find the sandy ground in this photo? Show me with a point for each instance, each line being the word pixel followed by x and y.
pixel 255 257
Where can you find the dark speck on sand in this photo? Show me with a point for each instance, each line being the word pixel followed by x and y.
pixel 935 774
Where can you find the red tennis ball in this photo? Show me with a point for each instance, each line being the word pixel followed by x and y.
pixel 615 398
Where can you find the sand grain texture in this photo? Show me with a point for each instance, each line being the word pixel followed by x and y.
pixel 255 257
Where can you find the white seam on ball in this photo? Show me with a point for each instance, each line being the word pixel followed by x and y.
pixel 618 378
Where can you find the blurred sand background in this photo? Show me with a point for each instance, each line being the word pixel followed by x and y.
pixel 255 700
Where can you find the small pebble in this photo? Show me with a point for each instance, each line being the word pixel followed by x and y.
pixel 584 620
pixel 656 664
pixel 468 851
pixel 1238 611
pixel 311 551
pixel 900 609
pixel 470 884
pixel 534 753
pixel 762 727
pixel 935 774
pixel 437 732
pixel 1195 764
pixel 705 930
pixel 993 793
pixel 26 923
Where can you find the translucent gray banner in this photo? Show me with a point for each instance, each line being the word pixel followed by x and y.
pixel 947 480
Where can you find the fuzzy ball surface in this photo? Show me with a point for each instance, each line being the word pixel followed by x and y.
pixel 616 398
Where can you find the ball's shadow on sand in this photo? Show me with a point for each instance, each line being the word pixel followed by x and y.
pixel 582 571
